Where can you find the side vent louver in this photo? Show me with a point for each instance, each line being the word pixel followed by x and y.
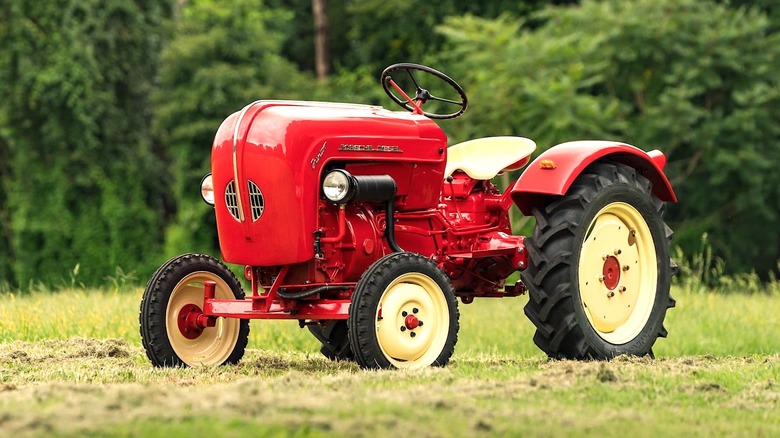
pixel 255 200
pixel 231 200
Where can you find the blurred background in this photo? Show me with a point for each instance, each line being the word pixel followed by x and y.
pixel 108 109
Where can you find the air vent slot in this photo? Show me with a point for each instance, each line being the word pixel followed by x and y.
pixel 231 200
pixel 256 200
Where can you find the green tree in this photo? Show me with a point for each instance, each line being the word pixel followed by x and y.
pixel 383 32
pixel 79 174
pixel 224 56
pixel 372 34
pixel 6 256
pixel 696 79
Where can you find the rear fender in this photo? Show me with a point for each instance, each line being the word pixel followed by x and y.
pixel 553 172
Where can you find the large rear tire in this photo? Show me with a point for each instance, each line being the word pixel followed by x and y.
pixel 403 314
pixel 599 269
pixel 173 293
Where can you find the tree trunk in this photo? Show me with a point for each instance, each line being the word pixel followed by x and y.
pixel 321 60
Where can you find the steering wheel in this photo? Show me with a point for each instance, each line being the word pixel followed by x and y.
pixel 421 95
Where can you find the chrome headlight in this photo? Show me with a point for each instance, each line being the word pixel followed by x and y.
pixel 337 185
pixel 207 189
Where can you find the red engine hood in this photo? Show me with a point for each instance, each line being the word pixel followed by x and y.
pixel 278 149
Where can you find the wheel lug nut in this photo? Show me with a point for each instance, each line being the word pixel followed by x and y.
pixel 618 251
pixel 622 289
pixel 419 323
pixel 601 278
pixel 403 328
pixel 412 334
pixel 404 313
pixel 610 294
pixel 626 267
pixel 415 310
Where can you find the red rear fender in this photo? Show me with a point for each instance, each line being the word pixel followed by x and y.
pixel 554 171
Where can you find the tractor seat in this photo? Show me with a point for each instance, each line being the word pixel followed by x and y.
pixel 484 158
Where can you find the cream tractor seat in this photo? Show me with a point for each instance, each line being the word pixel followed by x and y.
pixel 484 158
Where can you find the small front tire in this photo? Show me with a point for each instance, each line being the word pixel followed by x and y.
pixel 173 293
pixel 403 314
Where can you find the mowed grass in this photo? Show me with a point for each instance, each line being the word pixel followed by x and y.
pixel 701 323
pixel 71 365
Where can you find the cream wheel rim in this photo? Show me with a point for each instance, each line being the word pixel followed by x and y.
pixel 412 321
pixel 618 273
pixel 215 344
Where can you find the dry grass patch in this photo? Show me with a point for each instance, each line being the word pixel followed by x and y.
pixel 106 387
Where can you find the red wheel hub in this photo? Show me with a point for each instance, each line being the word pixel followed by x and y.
pixel 411 322
pixel 611 272
pixel 188 323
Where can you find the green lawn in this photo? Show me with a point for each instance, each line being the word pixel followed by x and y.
pixel 71 364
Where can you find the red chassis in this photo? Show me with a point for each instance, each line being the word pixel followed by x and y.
pixel 317 200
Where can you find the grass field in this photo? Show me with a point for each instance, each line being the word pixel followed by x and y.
pixel 71 365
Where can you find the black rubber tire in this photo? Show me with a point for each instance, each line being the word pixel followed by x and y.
pixel 152 316
pixel 555 307
pixel 366 300
pixel 334 336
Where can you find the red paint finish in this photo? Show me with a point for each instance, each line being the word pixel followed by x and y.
pixel 283 148
pixel 611 272
pixel 311 310
pixel 188 321
pixel 536 185
pixel 303 243
pixel 415 104
pixel 411 322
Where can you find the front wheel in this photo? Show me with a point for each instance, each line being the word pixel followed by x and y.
pixel 403 314
pixel 599 272
pixel 173 298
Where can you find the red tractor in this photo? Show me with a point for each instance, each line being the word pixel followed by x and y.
pixel 364 226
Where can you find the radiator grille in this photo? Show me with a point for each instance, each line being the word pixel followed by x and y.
pixel 255 200
pixel 231 200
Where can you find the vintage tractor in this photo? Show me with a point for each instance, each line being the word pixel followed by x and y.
pixel 364 226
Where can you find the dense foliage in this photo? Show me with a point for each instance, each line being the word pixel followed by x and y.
pixel 109 108
pixel 224 56
pixel 694 79
pixel 80 180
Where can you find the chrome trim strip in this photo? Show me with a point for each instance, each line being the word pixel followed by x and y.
pixel 235 159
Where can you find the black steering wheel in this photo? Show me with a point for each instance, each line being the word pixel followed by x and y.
pixel 421 95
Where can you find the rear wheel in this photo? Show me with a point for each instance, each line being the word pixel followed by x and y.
pixel 403 314
pixel 172 301
pixel 599 271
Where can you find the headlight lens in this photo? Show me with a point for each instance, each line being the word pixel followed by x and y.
pixel 336 185
pixel 207 189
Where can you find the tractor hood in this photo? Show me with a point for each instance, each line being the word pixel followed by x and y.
pixel 267 162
